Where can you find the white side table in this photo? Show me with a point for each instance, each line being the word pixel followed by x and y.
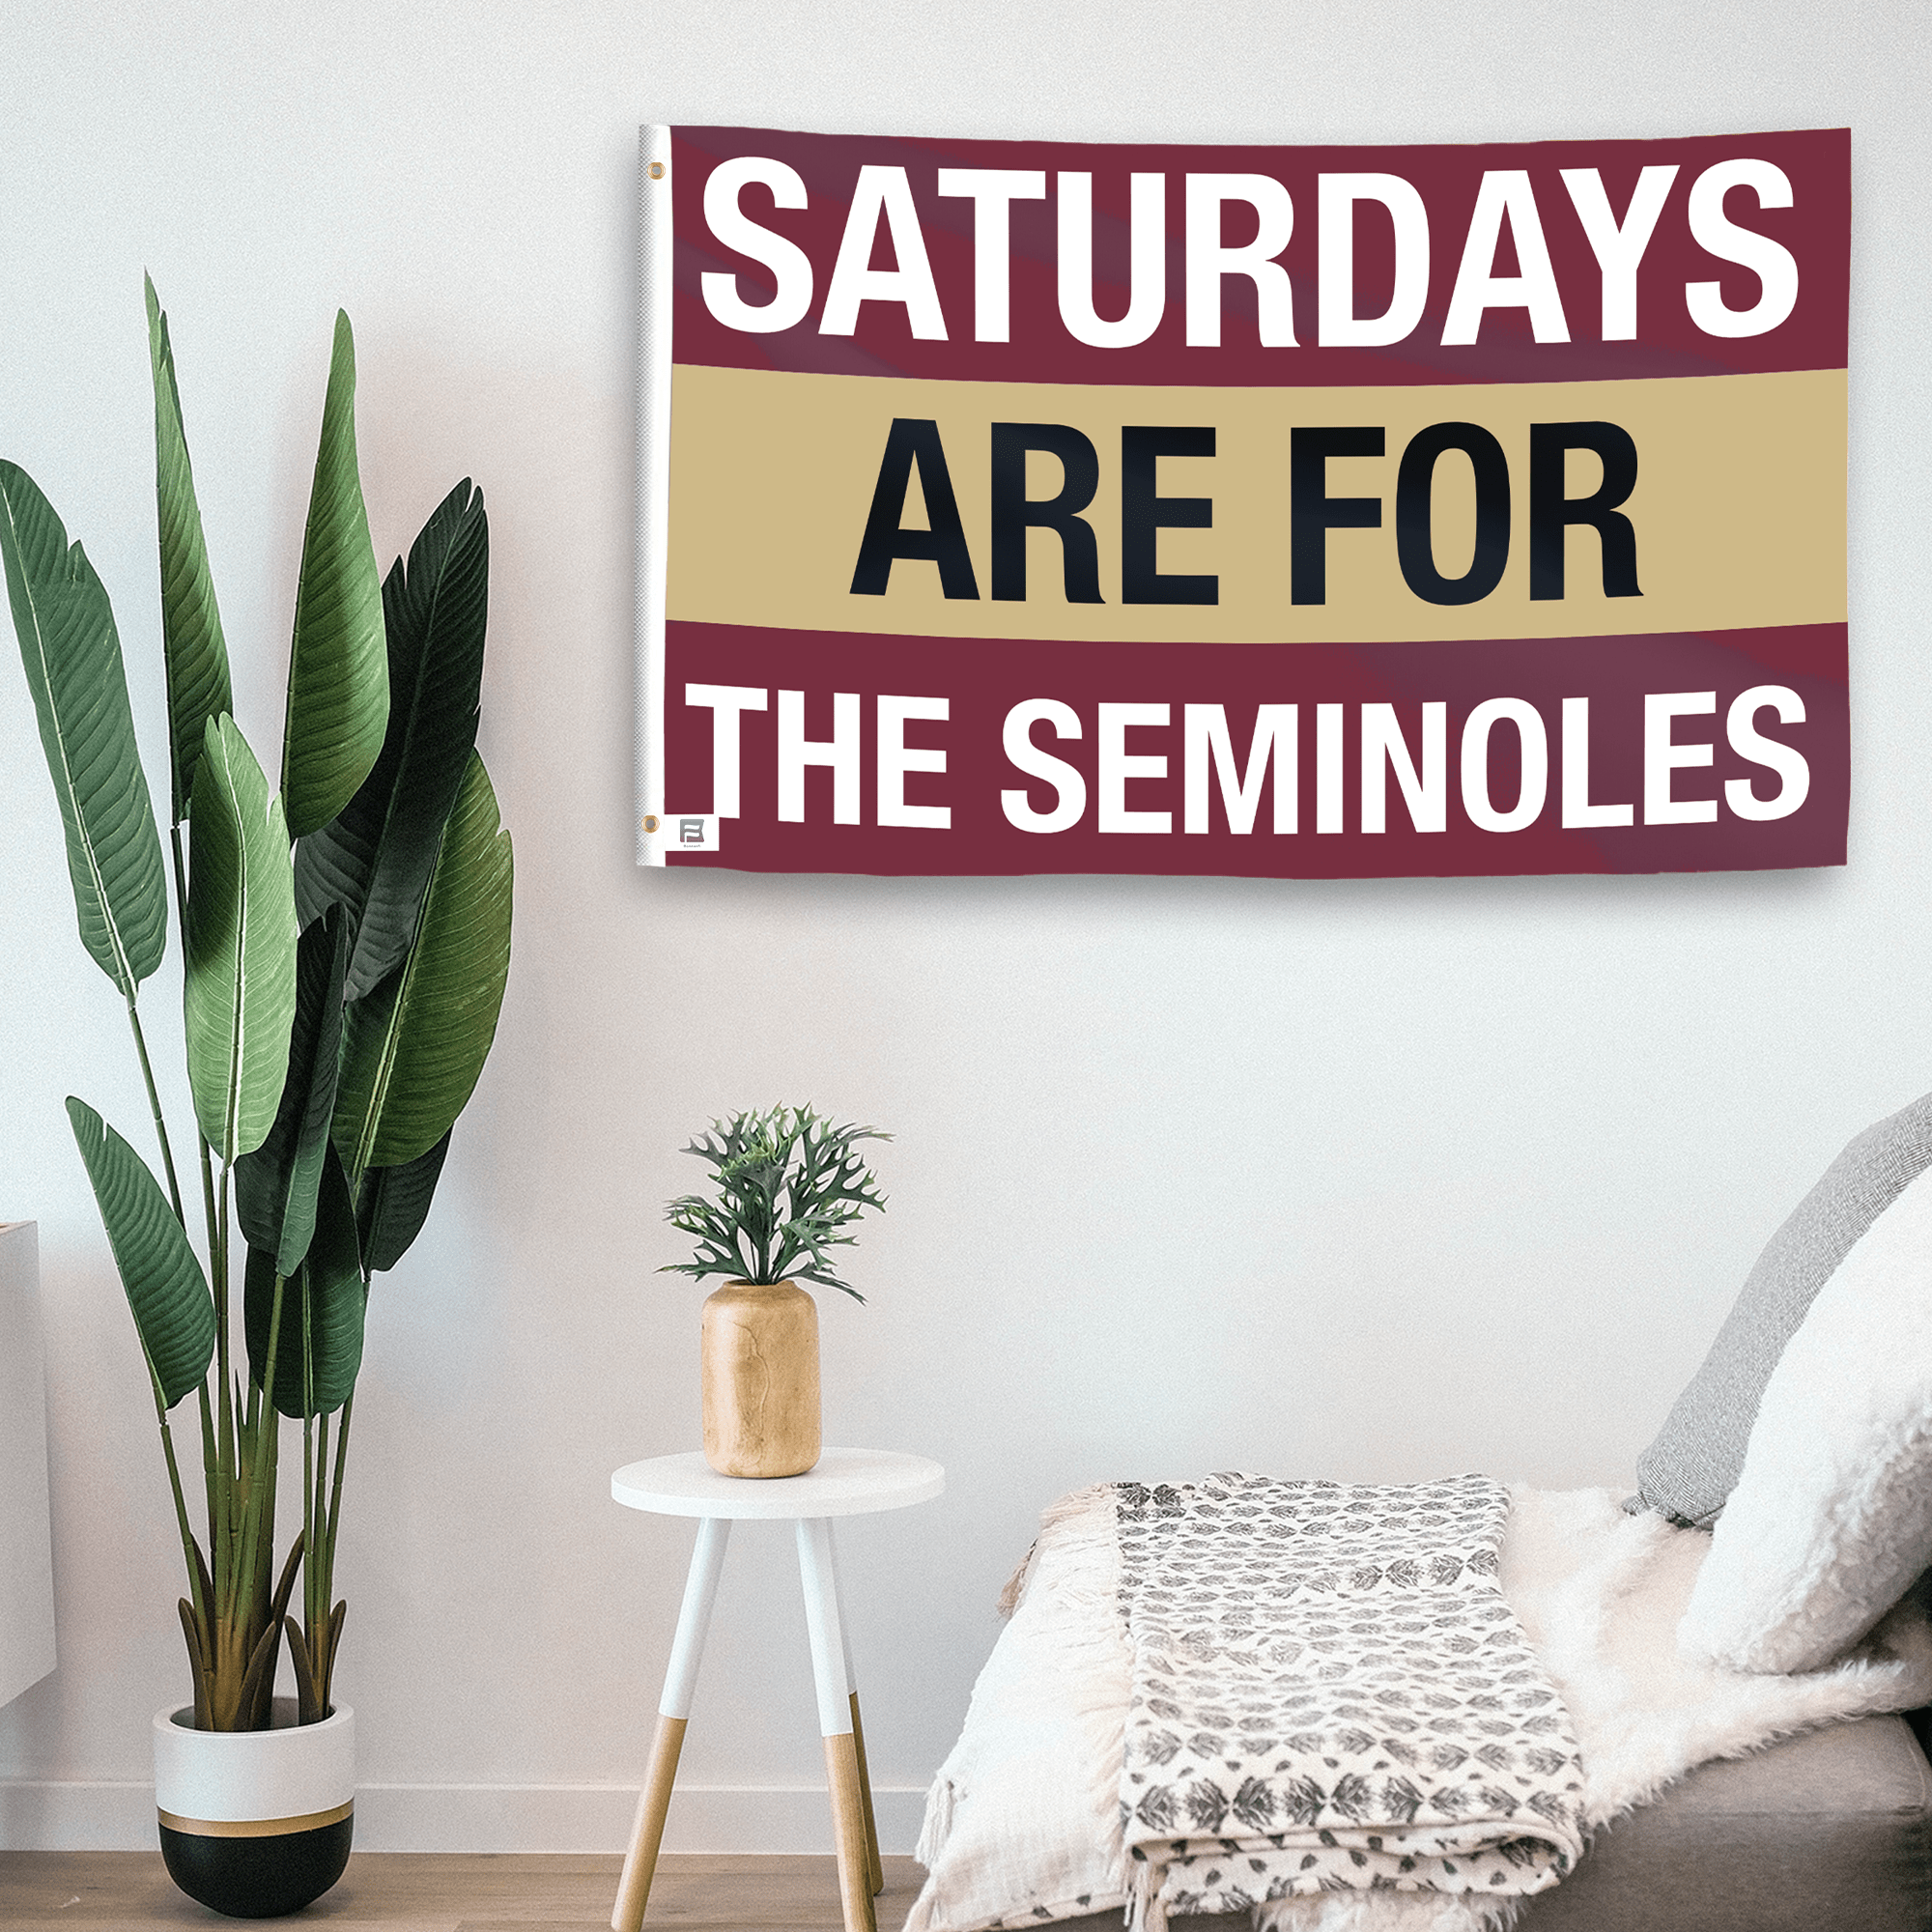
pixel 846 1482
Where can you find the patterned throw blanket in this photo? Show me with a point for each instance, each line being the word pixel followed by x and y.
pixel 1332 1693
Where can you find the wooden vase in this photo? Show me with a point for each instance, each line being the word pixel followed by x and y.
pixel 760 1350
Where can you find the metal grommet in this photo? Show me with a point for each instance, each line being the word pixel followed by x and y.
pixel 650 821
pixel 657 171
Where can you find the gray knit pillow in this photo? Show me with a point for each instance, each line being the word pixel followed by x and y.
pixel 1688 1472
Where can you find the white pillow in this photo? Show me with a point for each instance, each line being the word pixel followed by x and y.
pixel 1831 1517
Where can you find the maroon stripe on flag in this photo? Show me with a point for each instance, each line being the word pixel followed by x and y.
pixel 1697 757
pixel 1669 342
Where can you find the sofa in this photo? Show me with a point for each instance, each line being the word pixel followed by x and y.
pixel 1764 1591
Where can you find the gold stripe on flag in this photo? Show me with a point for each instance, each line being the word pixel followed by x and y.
pixel 1737 511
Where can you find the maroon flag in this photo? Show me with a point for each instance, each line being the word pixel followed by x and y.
pixel 1308 512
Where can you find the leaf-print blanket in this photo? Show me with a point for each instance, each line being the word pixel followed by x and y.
pixel 1331 1693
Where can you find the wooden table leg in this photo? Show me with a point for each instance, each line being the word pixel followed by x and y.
pixel 877 1865
pixel 818 1578
pixel 694 1618
pixel 641 1862
pixel 848 1826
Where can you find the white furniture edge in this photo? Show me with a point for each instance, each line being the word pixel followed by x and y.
pixel 27 1652
pixel 846 1482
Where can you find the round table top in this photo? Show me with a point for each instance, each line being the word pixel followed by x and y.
pixel 845 1482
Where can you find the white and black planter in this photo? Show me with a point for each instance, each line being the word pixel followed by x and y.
pixel 256 1823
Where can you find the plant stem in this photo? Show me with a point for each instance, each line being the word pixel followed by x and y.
pixel 320 1622
pixel 309 1476
pixel 201 1139
pixel 210 1469
pixel 155 1107
pixel 309 1472
pixel 227 1580
pixel 215 1490
pixel 260 1488
pixel 335 1493
pixel 180 1509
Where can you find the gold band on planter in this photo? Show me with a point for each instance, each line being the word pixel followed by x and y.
pixel 256 1828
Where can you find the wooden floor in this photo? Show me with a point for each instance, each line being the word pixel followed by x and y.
pixel 49 1891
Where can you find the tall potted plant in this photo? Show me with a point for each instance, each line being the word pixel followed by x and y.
pixel 346 939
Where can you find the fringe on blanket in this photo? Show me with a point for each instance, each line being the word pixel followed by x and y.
pixel 1388 1911
pixel 1077 1527
pixel 938 1825
pixel 1146 1913
pixel 1096 1501
pixel 1381 1910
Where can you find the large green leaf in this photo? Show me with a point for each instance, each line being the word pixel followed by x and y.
pixel 394 1203
pixel 413 1050
pixel 72 655
pixel 322 1305
pixel 276 1185
pixel 239 986
pixel 166 1289
pixel 191 640
pixel 338 667
pixel 375 857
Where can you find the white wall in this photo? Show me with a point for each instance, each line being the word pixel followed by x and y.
pixel 1375 1181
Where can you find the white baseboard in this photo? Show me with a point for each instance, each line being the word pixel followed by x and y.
pixel 44 1815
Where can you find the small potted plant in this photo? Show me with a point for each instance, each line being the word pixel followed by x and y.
pixel 345 940
pixel 790 1188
